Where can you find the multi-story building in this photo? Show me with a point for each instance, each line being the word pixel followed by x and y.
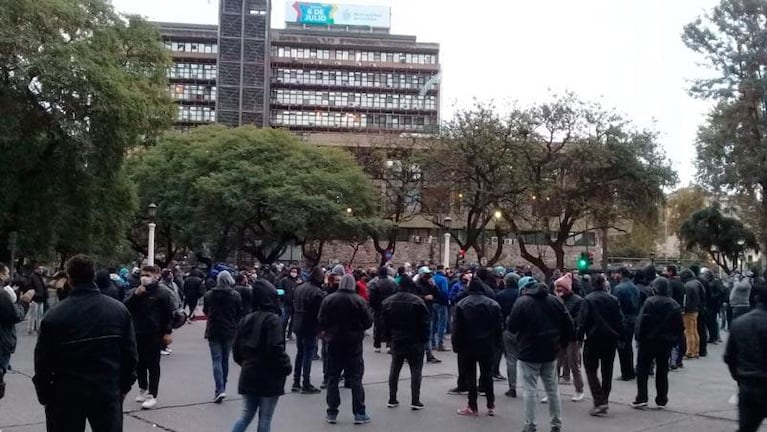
pixel 192 77
pixel 334 68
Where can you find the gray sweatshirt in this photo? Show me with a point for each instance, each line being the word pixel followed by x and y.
pixel 741 291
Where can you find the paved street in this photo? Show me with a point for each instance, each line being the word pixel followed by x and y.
pixel 698 400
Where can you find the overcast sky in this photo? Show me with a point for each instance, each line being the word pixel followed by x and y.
pixel 627 54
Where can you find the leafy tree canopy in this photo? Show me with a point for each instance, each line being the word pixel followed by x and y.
pixel 252 190
pixel 79 86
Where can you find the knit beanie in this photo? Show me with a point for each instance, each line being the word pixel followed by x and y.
pixel 565 283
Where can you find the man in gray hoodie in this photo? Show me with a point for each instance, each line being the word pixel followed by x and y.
pixel 343 318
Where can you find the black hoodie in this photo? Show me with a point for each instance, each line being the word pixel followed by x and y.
pixel 543 324
pixel 692 291
pixel 306 304
pixel 660 319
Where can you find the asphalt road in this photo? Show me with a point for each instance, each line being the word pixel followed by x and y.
pixel 699 399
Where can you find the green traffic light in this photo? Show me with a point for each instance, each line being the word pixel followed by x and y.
pixel 583 264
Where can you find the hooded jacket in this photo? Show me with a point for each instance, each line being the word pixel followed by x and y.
pixel 344 316
pixel 543 324
pixel 745 352
pixel 12 312
pixel 478 323
pixel 660 319
pixel 93 358
pixel 259 346
pixel 223 306
pixel 106 286
pixel 628 295
pixel 381 288
pixel 564 287
pixel 600 319
pixel 647 276
pixel 692 291
pixel 405 319
pixel 152 312
pixel 306 304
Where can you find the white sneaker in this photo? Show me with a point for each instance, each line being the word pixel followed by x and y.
pixel 166 352
pixel 578 397
pixel 150 402
pixel 545 399
pixel 141 396
pixel 219 398
pixel 377 350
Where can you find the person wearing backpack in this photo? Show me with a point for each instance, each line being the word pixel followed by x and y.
pixel 223 307
pixel 259 348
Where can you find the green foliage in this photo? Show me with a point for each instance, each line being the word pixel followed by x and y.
pixel 221 190
pixel 731 145
pixel 719 235
pixel 79 86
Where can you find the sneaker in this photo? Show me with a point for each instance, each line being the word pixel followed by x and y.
pixel 577 397
pixel 377 350
pixel 466 412
pixel 545 399
pixel 316 357
pixel 219 398
pixel 331 418
pixel 361 419
pixel 416 406
pixel 563 381
pixel 638 405
pixel 660 407
pixel 142 394
pixel 296 388
pixel 433 360
pixel 310 389
pixel 324 385
pixel 491 412
pixel 499 377
pixel 599 411
pixel 149 403
pixel 481 392
pixel 166 352
pixel 388 350
pixel 457 391
pixel 392 404
pixel 512 393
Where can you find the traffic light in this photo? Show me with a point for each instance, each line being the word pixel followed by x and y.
pixel 583 263
pixel 591 258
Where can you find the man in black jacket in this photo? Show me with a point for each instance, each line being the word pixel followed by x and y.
pixel 745 358
pixel 405 324
pixel 600 322
pixel 477 336
pixel 194 288
pixel 716 297
pixel 677 294
pixel 288 285
pixel 84 367
pixel 152 308
pixel 429 292
pixel 702 310
pixel 506 299
pixel 344 316
pixel 658 327
pixel 692 296
pixel 223 307
pixel 306 306
pixel 379 289
pixel 544 327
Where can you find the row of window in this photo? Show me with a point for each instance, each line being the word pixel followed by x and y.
pixel 199 71
pixel 192 92
pixel 354 55
pixel 202 114
pixel 351 78
pixel 355 100
pixel 191 47
pixel 351 120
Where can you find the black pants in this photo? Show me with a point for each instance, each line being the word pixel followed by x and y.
pixel 703 331
pixel 599 355
pixel 70 415
pixel 467 368
pixel 377 330
pixel 626 351
pixel 287 323
pixel 497 357
pixel 148 369
pixel 713 326
pixel 347 359
pixel 752 406
pixel 191 303
pixel 650 352
pixel 414 356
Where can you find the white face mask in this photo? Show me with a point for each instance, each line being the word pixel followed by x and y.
pixel 146 281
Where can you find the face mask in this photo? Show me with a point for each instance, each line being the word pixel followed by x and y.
pixel 146 281
pixel 293 275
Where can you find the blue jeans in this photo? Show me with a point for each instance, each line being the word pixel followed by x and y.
pixel 547 372
pixel 306 346
pixel 219 355
pixel 438 325
pixel 253 404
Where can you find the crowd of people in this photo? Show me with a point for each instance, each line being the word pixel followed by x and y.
pixel 99 332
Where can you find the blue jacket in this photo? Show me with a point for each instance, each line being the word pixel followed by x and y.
pixel 441 281
pixel 628 295
pixel 455 290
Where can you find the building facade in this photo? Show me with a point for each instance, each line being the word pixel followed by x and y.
pixel 313 76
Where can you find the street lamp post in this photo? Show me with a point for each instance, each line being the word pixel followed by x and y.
pixel 152 226
pixel 741 253
pixel 12 239
pixel 448 221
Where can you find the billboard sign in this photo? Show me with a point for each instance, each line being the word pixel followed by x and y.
pixel 337 14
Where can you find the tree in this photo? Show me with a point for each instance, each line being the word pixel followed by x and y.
pixel 79 86
pixel 253 190
pixel 731 145
pixel 640 242
pixel 723 238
